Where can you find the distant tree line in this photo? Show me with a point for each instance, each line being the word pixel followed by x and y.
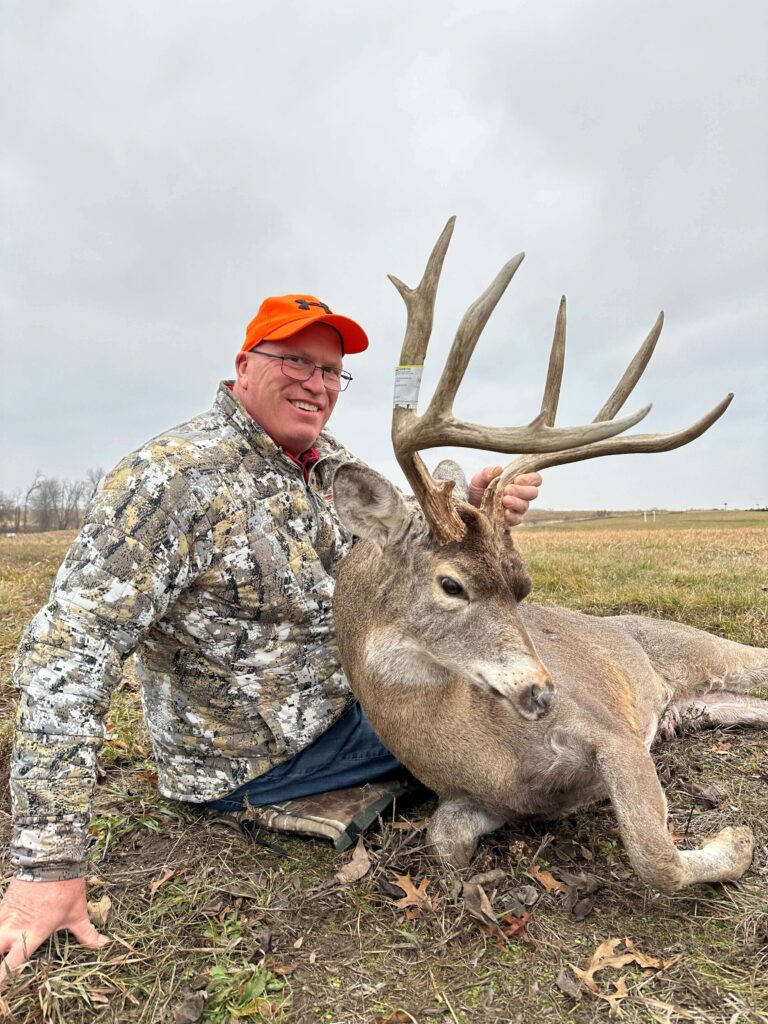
pixel 49 503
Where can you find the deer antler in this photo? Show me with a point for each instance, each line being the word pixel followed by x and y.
pixel 438 426
pixel 614 446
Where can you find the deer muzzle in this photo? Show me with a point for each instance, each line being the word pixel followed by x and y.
pixel 528 689
pixel 536 699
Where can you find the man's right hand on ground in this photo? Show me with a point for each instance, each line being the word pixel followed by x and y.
pixel 32 911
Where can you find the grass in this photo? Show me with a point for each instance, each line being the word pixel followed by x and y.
pixel 238 933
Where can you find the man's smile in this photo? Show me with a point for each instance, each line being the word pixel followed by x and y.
pixel 304 406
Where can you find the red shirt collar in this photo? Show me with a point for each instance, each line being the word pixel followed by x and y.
pixel 305 461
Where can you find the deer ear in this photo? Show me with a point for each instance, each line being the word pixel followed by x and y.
pixel 368 504
pixel 450 470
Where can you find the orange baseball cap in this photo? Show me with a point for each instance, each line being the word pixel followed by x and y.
pixel 282 316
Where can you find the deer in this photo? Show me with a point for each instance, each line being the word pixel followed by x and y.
pixel 504 708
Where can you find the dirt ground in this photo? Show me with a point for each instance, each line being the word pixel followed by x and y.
pixel 207 923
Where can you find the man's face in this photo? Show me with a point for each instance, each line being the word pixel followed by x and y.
pixel 293 412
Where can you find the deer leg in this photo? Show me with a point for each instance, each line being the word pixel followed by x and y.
pixel 641 809
pixel 716 708
pixel 455 829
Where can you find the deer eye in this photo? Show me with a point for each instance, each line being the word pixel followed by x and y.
pixel 450 586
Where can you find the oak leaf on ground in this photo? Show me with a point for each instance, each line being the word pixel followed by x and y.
pixel 415 900
pixel 607 955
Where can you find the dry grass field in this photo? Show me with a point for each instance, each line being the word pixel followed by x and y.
pixel 207 924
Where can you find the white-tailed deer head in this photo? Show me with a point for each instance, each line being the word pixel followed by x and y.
pixel 448 583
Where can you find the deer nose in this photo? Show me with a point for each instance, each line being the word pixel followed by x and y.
pixel 535 700
pixel 541 697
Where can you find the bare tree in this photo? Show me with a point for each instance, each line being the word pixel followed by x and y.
pixel 31 490
pixel 45 502
pixel 72 494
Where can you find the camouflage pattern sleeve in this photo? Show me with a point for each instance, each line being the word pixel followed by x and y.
pixel 144 541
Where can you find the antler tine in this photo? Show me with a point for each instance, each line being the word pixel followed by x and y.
pixel 420 301
pixel 433 496
pixel 551 397
pixel 465 342
pixel 633 373
pixel 638 443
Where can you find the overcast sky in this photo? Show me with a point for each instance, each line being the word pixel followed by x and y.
pixel 165 166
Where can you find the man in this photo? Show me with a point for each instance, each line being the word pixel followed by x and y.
pixel 210 552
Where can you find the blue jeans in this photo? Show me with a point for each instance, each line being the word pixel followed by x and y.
pixel 347 754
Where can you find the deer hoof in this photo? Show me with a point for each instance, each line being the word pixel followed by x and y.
pixel 739 843
pixel 453 851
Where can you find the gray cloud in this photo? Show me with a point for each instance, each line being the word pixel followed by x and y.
pixel 166 166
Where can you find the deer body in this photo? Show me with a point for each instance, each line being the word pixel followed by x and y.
pixel 502 708
pixel 614 678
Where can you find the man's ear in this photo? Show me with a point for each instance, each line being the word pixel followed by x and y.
pixel 368 504
pixel 241 361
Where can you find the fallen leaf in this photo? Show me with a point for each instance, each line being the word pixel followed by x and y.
pixel 614 998
pixel 283 969
pixel 190 1008
pixel 512 905
pixel 582 908
pixel 711 795
pixel 147 776
pixel 478 905
pixel 547 880
pixel 396 1017
pixel 414 897
pixel 357 867
pixel 167 875
pixel 606 955
pixel 387 888
pixel 495 877
pixel 582 881
pixel 569 985
pixel 299 942
pixel 512 926
pixel 99 910
pixel 527 895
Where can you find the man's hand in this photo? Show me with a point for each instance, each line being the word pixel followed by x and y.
pixel 517 495
pixel 32 911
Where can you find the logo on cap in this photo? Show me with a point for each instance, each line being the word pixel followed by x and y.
pixel 305 304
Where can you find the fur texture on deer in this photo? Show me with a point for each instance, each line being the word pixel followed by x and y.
pixel 505 708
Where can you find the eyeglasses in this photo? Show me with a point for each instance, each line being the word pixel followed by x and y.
pixel 298 368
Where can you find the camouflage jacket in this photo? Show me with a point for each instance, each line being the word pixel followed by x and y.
pixel 207 554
